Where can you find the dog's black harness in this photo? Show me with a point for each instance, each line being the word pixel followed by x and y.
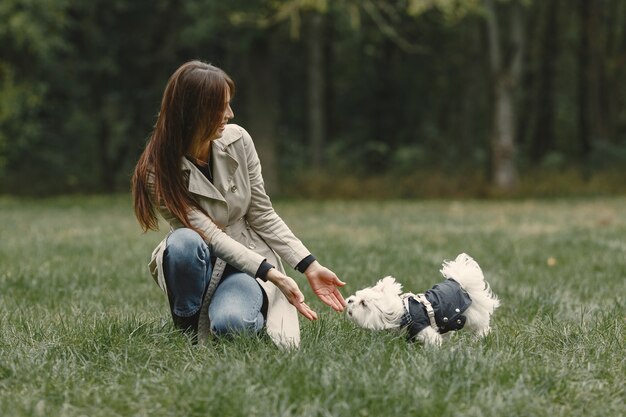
pixel 446 301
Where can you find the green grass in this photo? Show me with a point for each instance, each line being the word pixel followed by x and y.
pixel 84 331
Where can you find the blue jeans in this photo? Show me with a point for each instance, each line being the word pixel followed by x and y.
pixel 238 299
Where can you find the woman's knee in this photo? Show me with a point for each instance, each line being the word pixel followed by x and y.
pixel 236 306
pixel 184 242
pixel 235 321
pixel 187 269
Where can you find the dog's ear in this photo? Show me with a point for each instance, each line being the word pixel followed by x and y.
pixel 389 285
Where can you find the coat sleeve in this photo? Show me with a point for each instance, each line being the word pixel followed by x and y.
pixel 262 217
pixel 220 244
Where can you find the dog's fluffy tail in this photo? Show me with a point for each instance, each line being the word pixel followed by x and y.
pixel 466 272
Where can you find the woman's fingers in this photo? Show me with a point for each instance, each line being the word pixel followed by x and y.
pixel 333 298
pixel 297 299
pixel 331 301
pixel 337 295
pixel 339 282
pixel 306 311
pixel 325 284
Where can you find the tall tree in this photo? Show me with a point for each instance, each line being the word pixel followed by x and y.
pixel 543 139
pixel 505 56
pixel 32 36
pixel 613 63
pixel 615 67
pixel 505 52
pixel 121 75
pixel 586 25
pixel 316 86
pixel 260 88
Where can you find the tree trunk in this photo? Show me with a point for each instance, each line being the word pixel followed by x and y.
pixel 613 74
pixel 597 34
pixel 107 176
pixel 505 76
pixel 261 97
pixel 504 169
pixel 316 88
pixel 584 15
pixel 543 137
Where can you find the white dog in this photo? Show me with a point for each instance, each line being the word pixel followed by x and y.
pixel 463 299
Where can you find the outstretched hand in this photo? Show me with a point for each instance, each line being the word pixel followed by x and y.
pixel 324 284
pixel 292 292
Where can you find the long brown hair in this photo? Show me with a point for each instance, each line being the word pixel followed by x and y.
pixel 192 109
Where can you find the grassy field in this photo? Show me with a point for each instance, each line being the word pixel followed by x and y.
pixel 84 331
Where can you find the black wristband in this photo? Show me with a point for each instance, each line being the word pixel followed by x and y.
pixel 304 264
pixel 263 270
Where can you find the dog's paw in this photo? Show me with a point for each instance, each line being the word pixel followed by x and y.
pixel 483 332
pixel 430 337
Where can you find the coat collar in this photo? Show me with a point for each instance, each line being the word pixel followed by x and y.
pixel 198 183
pixel 224 162
pixel 232 133
pixel 223 155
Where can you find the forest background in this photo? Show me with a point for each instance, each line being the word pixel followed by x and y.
pixel 344 98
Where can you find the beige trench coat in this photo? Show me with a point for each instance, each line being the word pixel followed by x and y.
pixel 242 228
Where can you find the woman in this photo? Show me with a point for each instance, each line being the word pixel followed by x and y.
pixel 204 178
